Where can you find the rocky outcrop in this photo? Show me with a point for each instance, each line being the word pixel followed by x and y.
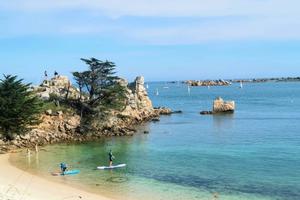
pixel 208 83
pixel 139 109
pixel 58 126
pixel 220 106
pixel 139 105
pixel 59 86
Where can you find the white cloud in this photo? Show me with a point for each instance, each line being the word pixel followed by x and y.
pixel 170 8
pixel 247 19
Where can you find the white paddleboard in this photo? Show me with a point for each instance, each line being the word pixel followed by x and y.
pixel 111 167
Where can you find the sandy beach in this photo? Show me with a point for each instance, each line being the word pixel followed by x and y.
pixel 16 184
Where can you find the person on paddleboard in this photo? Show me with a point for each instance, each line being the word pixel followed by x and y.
pixel 63 168
pixel 111 157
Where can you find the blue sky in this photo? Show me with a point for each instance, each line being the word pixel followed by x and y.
pixel 160 39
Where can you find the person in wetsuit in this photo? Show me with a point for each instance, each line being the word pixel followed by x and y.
pixel 110 157
pixel 63 168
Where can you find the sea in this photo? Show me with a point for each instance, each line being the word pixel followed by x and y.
pixel 252 154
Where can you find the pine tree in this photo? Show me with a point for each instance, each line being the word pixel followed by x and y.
pixel 104 88
pixel 19 108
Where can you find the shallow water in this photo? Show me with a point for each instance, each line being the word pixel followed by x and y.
pixel 252 154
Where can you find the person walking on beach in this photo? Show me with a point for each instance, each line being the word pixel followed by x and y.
pixel 111 157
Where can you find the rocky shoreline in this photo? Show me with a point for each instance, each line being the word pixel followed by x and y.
pixel 65 126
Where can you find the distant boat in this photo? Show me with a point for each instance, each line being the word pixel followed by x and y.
pixel 208 87
pixel 189 90
pixel 157 93
pixel 166 87
pixel 241 85
pixel 147 86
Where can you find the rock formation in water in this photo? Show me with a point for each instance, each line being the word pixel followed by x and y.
pixel 220 106
pixel 208 83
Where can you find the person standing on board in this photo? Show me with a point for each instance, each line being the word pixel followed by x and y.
pixel 111 157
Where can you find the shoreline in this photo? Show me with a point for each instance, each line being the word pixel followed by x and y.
pixel 18 184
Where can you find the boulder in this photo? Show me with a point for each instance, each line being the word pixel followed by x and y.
pixel 59 113
pixel 155 120
pixel 221 106
pixel 176 112
pixel 25 137
pixel 206 112
pixel 163 111
pixel 48 112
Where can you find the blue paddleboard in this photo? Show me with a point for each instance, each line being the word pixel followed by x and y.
pixel 69 172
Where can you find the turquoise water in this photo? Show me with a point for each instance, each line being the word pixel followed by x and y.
pixel 253 154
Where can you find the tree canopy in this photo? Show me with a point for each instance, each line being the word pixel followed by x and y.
pixel 104 88
pixel 19 108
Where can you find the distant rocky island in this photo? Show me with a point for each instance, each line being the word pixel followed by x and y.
pixel 228 82
pixel 207 82
pixel 260 80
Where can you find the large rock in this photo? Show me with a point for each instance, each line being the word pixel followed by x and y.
pixel 139 105
pixel 220 106
pixel 140 93
pixel 59 86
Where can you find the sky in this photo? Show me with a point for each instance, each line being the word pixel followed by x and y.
pixel 162 40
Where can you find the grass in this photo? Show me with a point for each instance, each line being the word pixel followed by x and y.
pixel 50 105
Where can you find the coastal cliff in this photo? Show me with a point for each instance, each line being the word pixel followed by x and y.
pixel 61 124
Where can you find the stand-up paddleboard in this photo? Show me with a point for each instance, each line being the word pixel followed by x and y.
pixel 111 167
pixel 69 172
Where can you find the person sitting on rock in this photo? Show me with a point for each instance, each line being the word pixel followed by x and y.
pixel 63 168
pixel 55 74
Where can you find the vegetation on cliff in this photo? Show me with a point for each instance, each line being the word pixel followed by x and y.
pixel 103 105
pixel 19 107
pixel 104 90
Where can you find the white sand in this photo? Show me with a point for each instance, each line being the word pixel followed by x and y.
pixel 16 184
